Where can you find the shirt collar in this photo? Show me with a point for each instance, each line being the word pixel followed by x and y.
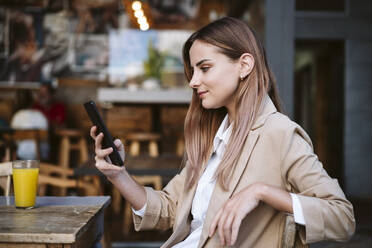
pixel 222 135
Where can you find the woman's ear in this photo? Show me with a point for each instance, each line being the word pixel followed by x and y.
pixel 246 62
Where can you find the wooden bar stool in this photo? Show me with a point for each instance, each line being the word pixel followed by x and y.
pixel 135 140
pixel 156 182
pixel 71 139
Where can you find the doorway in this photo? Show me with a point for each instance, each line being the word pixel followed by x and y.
pixel 319 99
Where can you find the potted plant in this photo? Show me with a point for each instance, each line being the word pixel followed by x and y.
pixel 153 67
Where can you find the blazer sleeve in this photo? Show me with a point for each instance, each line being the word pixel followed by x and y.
pixel 161 207
pixel 327 212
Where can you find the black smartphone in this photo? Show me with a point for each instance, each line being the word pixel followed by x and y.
pixel 107 141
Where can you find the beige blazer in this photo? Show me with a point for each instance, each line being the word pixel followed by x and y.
pixel 277 152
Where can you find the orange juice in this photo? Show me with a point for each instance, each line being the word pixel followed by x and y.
pixel 25 186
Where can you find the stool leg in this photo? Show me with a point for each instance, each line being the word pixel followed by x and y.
pixel 97 185
pixel 42 189
pixel 64 158
pixel 64 152
pixel 116 200
pixel 158 182
pixel 83 150
pixel 134 148
pixel 180 147
pixel 127 222
pixel 7 186
pixel 37 148
pixel 7 156
pixel 153 149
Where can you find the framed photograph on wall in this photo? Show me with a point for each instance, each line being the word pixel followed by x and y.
pixel 89 53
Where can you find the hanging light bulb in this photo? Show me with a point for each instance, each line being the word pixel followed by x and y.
pixel 142 20
pixel 139 13
pixel 144 26
pixel 136 5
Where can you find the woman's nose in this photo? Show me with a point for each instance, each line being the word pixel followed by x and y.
pixel 194 82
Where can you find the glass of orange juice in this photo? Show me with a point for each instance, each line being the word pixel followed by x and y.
pixel 25 175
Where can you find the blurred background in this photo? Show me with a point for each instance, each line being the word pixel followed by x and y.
pixel 126 56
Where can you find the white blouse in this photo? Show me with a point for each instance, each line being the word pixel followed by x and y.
pixel 206 186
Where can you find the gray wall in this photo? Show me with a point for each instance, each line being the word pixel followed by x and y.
pixel 358 100
pixel 279 44
pixel 358 118
pixel 283 26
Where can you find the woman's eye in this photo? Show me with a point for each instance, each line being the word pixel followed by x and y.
pixel 204 69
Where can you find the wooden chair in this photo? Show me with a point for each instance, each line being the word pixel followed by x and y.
pixel 289 234
pixel 156 182
pixel 290 239
pixel 6 148
pixel 37 135
pixel 61 178
pixel 5 177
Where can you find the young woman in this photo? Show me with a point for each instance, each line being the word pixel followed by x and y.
pixel 247 164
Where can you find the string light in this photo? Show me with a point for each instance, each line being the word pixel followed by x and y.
pixel 142 20
pixel 140 15
pixel 144 26
pixel 136 5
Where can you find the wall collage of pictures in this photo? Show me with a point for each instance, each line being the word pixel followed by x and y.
pixel 42 40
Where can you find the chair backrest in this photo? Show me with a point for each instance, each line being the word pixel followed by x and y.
pixel 5 176
pixel 37 135
pixel 61 178
pixel 7 145
pixel 290 238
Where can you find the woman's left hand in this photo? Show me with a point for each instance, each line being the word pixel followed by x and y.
pixel 230 216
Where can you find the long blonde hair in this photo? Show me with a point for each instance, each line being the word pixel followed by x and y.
pixel 233 38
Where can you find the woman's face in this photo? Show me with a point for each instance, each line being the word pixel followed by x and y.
pixel 215 77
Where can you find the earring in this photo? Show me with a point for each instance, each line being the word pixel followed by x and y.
pixel 241 77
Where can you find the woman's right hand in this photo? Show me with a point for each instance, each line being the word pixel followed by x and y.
pixel 105 166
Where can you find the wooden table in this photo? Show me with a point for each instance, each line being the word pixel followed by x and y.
pixel 161 96
pixel 166 166
pixel 55 222
pixel 16 86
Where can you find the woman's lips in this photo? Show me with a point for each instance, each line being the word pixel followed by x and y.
pixel 202 93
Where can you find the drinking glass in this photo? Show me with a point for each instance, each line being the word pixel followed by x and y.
pixel 25 176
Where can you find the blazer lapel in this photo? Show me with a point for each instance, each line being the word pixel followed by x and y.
pixel 219 196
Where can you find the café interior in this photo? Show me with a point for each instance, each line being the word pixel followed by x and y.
pixel 125 55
